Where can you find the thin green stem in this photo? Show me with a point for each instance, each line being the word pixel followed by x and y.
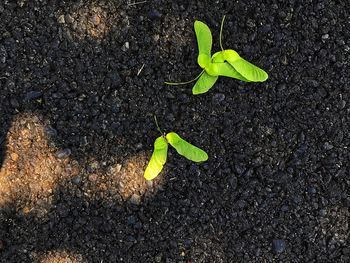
pixel 184 83
pixel 155 120
pixel 221 28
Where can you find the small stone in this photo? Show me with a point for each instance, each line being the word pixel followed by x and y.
pixel 135 199
pixel 327 146
pixel 342 104
pixel 61 19
pixel 284 208
pixel 96 20
pixel 63 154
pixel 50 131
pixel 126 46
pixel 94 165
pixel 32 95
pixel 149 183
pixel 69 19
pixel 278 245
pixel 312 190
pixel 158 258
pixel 3 54
pixel 251 23
pixel 156 37
pixel 154 14
pixel 325 36
pixel 218 98
pixel 76 180
pixel 242 204
pixel 118 167
pixel 14 157
pixel 93 177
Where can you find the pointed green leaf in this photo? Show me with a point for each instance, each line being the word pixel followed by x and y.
pixel 186 149
pixel 204 83
pixel 249 71
pixel 245 68
pixel 158 158
pixel 204 41
pixel 224 69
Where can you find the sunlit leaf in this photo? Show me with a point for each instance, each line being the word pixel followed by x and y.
pixel 245 68
pixel 218 57
pixel 158 158
pixel 204 83
pixel 204 41
pixel 224 69
pixel 186 149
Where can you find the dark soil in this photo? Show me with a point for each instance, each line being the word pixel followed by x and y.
pixel 76 131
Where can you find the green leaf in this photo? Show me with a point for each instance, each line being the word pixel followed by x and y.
pixel 224 69
pixel 186 149
pixel 204 83
pixel 218 57
pixel 158 158
pixel 245 68
pixel 204 41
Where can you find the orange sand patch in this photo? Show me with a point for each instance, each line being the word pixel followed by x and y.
pixel 31 169
pixel 60 257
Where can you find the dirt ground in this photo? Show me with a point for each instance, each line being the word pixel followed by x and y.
pixel 80 82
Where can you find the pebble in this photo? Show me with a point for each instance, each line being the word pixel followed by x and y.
pixel 61 19
pixel 312 190
pixel 149 184
pixel 342 104
pixel 325 36
pixel 328 146
pixel 218 98
pixel 96 20
pixel 118 168
pixel 126 46
pixel 32 95
pixel 284 208
pixel 278 245
pixel 242 204
pixel 93 177
pixel 50 131
pixel 14 157
pixel 69 19
pixel 158 258
pixel 63 154
pixel 3 54
pixel 76 180
pixel 154 14
pixel 135 199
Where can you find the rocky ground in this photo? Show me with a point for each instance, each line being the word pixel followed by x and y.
pixel 80 82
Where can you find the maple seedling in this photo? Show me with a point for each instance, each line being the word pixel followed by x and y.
pixel 160 152
pixel 227 63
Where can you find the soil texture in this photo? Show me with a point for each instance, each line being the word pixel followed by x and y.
pixel 80 82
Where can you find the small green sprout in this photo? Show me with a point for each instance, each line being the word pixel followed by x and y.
pixel 160 152
pixel 227 63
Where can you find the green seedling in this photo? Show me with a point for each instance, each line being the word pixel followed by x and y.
pixel 227 63
pixel 160 152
